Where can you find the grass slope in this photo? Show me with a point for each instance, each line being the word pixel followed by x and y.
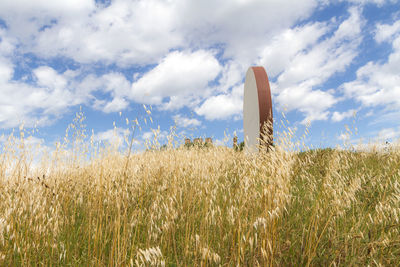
pixel 202 207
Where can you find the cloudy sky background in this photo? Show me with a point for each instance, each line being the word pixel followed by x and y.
pixel 187 59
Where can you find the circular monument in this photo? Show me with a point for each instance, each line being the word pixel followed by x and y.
pixel 257 110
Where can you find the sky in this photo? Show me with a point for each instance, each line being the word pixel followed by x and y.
pixel 333 67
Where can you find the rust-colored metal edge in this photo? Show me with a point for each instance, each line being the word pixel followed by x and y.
pixel 264 104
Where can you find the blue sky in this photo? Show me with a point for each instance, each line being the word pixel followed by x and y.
pixel 186 59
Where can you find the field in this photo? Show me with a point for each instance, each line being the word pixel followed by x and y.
pixel 198 207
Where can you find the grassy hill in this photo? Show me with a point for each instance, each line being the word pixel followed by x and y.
pixel 192 207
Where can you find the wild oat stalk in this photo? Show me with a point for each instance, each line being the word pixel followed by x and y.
pixel 129 149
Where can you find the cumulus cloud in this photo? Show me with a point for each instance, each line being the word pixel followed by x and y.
pixel 313 103
pixel 149 136
pixel 388 134
pixel 38 103
pixel 109 134
pixel 51 94
pixel 222 106
pixel 378 84
pixel 232 75
pixel 312 59
pixel 386 32
pixel 49 78
pixel 118 136
pixel 194 54
pixel 242 26
pixel 277 55
pixel 344 137
pixel 339 116
pixel 376 2
pixel 6 70
pixel 114 85
pixel 183 121
pixel 115 105
pixel 180 77
pixel 123 32
pixel 26 20
pixel 7 46
pixel 141 32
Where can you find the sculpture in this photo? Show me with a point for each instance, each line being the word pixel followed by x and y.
pixel 257 110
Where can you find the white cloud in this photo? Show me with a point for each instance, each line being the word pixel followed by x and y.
pixel 313 103
pixel 33 141
pixel 141 32
pixel 222 106
pixel 42 101
pixel 23 103
pixel 221 142
pixel 182 121
pixel 232 75
pixel 385 32
pixel 321 61
pixel 385 116
pixel 49 78
pixel 376 2
pixel 311 63
pixel 31 9
pixel 378 84
pixel 339 116
pixel 385 139
pixel 177 36
pixel 302 59
pixel 124 32
pixel 243 27
pixel 149 135
pixel 117 104
pixel 344 137
pixel 26 19
pixel 51 94
pixel 112 136
pixel 8 43
pixel 277 55
pixel 129 33
pixel 7 46
pixel 388 134
pixel 114 84
pixel 6 70
pixel 180 77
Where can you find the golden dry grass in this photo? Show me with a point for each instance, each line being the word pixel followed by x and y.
pixel 198 207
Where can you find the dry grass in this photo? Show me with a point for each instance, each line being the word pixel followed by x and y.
pixel 82 206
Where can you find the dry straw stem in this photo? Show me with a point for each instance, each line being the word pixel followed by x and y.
pixel 88 205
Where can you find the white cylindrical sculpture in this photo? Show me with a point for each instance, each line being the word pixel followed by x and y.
pixel 257 110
